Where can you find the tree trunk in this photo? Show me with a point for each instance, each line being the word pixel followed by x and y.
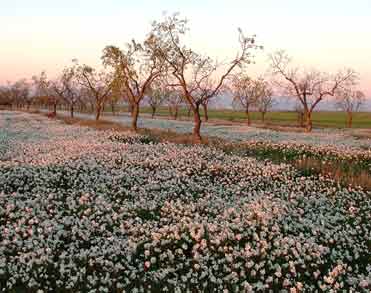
pixel 176 110
pixel 204 106
pixel 130 108
pixel 71 110
pixel 263 116
pixel 308 121
pixel 301 119
pixel 350 119
pixel 98 111
pixel 54 108
pixel 170 112
pixel 153 111
pixel 197 126
pixel 248 116
pixel 135 114
pixel 113 108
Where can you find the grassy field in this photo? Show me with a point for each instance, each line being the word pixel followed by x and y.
pixel 320 119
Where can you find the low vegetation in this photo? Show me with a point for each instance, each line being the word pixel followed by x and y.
pixel 82 210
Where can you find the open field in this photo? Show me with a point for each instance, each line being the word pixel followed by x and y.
pixel 108 211
pixel 320 119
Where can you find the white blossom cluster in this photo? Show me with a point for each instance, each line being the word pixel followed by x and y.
pixel 91 211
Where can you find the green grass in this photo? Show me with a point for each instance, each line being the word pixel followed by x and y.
pixel 320 119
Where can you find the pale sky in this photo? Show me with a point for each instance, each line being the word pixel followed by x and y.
pixel 46 35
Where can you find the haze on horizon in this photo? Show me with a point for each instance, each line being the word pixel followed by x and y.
pixel 46 35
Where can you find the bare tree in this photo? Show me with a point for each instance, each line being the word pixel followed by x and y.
pixel 68 88
pixel 45 88
pixel 300 114
pixel 5 96
pixel 350 101
pixel 115 95
pixel 309 86
pixel 137 66
pixel 200 77
pixel 174 102
pixel 266 100
pixel 246 93
pixel 19 93
pixel 159 93
pixel 98 84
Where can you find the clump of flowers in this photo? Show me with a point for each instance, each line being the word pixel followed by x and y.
pixel 131 139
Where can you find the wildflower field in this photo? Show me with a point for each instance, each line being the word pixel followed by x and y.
pixel 83 210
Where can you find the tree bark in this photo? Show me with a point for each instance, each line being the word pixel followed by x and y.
pixel 301 119
pixel 98 111
pixel 54 108
pixel 153 111
pixel 71 110
pixel 197 126
pixel 130 109
pixel 247 112
pixel 263 116
pixel 308 121
pixel 134 120
pixel 350 119
pixel 113 108
pixel 204 106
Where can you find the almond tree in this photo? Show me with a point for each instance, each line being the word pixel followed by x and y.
pixel 265 101
pixel 98 85
pixel 350 100
pixel 310 87
pixel 68 88
pixel 200 77
pixel 45 88
pixel 174 102
pixel 246 93
pixel 5 98
pixel 20 93
pixel 159 93
pixel 136 66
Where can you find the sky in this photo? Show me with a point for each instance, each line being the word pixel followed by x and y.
pixel 328 35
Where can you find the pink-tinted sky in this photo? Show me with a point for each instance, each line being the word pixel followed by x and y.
pixel 46 34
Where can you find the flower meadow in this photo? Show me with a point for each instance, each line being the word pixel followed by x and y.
pixel 341 139
pixel 101 211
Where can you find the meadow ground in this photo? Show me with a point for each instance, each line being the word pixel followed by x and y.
pixel 83 210
pixel 331 119
pixel 344 154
